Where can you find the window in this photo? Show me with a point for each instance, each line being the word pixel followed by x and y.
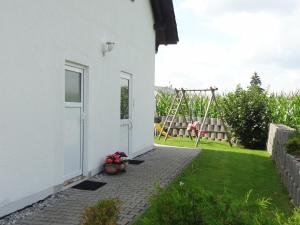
pixel 72 86
pixel 124 98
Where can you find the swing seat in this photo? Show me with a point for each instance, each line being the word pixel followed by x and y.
pixel 193 126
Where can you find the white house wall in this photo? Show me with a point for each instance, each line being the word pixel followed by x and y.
pixel 37 37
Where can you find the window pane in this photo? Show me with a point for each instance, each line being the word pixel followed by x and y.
pixel 124 98
pixel 72 86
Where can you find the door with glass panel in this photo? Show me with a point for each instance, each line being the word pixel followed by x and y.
pixel 73 123
pixel 126 112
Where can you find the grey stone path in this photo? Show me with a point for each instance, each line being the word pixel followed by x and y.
pixel 133 188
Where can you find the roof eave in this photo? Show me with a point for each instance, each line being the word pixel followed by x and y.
pixel 164 22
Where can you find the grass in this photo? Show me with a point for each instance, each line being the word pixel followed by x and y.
pixel 236 170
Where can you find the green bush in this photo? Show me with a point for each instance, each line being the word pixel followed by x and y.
pixel 104 212
pixel 194 206
pixel 294 219
pixel 293 144
pixel 247 112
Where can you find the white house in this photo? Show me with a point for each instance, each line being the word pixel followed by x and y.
pixel 63 66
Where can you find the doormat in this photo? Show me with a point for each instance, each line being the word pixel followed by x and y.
pixel 135 161
pixel 89 185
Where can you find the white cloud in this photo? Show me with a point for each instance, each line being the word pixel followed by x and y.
pixel 263 38
pixel 201 66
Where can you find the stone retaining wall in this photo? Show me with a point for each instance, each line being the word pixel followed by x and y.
pixel 287 165
pixel 213 127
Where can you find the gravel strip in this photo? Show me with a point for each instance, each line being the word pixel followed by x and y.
pixel 34 208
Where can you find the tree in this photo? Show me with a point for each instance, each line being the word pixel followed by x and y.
pixel 247 112
pixel 256 82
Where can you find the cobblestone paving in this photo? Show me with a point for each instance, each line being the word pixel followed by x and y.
pixel 133 188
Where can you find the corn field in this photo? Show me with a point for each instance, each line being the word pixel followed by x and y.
pixel 197 103
pixel 284 108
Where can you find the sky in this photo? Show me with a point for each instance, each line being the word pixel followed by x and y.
pixel 223 42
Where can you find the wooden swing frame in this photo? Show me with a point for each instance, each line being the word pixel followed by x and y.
pixel 179 99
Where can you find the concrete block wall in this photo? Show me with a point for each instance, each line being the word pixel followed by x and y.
pixel 213 127
pixel 287 165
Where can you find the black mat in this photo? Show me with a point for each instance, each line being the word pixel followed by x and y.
pixel 89 185
pixel 135 161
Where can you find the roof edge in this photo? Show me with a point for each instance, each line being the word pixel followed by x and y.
pixel 165 25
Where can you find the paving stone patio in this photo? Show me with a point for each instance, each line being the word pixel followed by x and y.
pixel 133 188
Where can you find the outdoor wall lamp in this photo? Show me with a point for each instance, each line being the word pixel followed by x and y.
pixel 107 47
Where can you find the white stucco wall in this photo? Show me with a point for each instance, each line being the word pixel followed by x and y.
pixel 37 37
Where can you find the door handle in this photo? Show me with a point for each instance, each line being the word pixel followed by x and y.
pixel 130 124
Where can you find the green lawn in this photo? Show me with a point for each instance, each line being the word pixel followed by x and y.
pixel 237 170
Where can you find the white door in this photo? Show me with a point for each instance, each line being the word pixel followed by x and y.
pixel 126 105
pixel 73 125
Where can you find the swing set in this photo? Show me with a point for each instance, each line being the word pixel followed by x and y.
pixel 180 99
